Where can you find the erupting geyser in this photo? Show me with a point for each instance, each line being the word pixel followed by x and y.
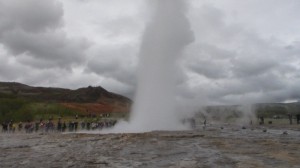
pixel 163 41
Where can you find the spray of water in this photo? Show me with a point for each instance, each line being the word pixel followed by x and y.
pixel 248 115
pixel 163 42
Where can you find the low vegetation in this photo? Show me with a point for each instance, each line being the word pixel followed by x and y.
pixel 19 102
pixel 17 109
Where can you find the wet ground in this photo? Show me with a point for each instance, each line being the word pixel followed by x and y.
pixel 231 146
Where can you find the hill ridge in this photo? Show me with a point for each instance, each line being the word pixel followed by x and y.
pixel 88 94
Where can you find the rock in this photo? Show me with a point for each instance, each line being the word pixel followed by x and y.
pixel 187 163
pixel 24 162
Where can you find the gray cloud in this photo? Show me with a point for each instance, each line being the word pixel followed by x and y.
pixel 209 60
pixel 30 15
pixel 33 28
pixel 117 64
pixel 233 64
pixel 243 51
pixel 10 69
pixel 52 47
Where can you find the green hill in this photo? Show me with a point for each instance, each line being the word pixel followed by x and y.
pixel 20 102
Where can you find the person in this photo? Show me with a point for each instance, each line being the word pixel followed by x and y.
pixel 114 122
pixel 204 124
pixel 64 126
pixel 82 125
pixel 75 125
pixel 28 127
pixel 290 118
pixel 14 127
pixel 262 120
pixel 4 127
pixel 88 126
pixel 101 125
pixel 10 126
pixel 51 125
pixel 298 118
pixel 59 125
pixel 47 126
pixel 20 126
pixel 42 125
pixel 37 126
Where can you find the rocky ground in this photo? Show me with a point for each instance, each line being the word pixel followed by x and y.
pixel 231 146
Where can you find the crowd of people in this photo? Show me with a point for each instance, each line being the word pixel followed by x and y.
pixel 58 126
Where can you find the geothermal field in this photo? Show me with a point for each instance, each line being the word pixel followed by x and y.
pixel 229 146
pixel 173 70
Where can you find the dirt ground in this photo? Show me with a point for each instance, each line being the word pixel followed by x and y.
pixel 216 146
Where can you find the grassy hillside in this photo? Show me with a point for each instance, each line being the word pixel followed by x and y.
pixel 81 95
pixel 21 102
pixel 17 109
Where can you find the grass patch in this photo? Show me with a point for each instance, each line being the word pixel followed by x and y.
pixel 17 109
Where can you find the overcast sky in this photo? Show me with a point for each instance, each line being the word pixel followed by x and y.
pixel 243 51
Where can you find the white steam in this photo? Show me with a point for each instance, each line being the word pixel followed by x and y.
pixel 163 42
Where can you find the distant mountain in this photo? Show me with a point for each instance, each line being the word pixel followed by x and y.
pixel 89 99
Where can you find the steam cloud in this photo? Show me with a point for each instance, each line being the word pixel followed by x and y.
pixel 163 42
